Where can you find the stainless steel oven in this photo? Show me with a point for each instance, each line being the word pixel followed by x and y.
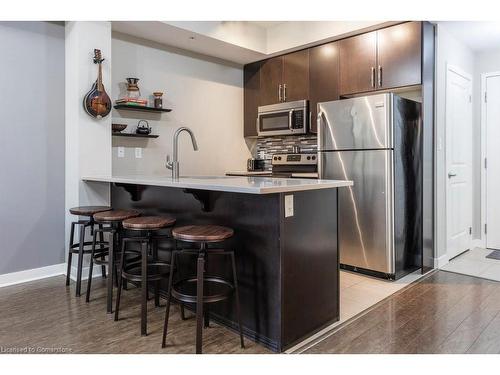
pixel 283 118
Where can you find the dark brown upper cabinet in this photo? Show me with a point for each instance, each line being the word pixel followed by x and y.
pixel 378 60
pixel 296 76
pixel 271 81
pixel 285 78
pixel 323 77
pixel 358 61
pixel 399 55
pixel 251 98
pixel 382 59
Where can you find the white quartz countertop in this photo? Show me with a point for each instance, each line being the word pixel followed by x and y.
pixel 234 184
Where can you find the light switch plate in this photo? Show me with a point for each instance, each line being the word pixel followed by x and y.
pixel 121 152
pixel 138 153
pixel 289 205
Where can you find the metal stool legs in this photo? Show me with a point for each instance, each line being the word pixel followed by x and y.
pixel 81 251
pixel 169 298
pixel 70 254
pixel 111 264
pixel 200 273
pixel 202 318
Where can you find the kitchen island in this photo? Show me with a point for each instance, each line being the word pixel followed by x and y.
pixel 285 244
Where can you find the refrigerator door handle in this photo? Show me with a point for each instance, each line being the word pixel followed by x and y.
pixel 320 137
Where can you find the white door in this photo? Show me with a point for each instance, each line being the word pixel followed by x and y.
pixel 458 161
pixel 493 162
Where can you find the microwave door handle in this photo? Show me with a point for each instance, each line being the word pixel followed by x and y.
pixel 290 119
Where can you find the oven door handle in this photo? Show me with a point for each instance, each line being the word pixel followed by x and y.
pixel 290 118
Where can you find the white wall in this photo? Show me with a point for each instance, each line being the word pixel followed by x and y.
pixel 88 140
pixel 206 96
pixel 31 145
pixel 449 50
pixel 486 62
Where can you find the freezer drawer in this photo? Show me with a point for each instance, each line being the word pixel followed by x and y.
pixel 365 209
pixel 355 124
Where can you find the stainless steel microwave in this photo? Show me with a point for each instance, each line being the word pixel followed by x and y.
pixel 283 118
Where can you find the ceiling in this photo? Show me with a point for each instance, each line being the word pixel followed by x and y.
pixel 477 35
pixel 266 24
pixel 242 42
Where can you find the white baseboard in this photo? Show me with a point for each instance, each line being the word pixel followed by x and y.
pixel 44 272
pixel 33 274
pixel 441 261
pixel 478 243
pixel 96 272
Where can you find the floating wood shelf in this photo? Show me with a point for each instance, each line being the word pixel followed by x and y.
pixel 141 108
pixel 134 135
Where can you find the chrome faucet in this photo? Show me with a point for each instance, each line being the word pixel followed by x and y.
pixel 174 164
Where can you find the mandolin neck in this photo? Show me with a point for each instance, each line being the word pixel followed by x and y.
pixel 100 87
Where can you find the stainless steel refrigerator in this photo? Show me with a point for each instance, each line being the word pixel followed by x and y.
pixel 375 141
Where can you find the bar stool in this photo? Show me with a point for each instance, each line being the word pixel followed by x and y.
pixel 147 269
pixel 113 219
pixel 79 247
pixel 183 290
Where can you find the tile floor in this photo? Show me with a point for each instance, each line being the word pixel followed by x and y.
pixel 474 263
pixel 358 293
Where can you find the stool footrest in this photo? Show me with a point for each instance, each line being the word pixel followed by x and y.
pixel 156 271
pixel 224 289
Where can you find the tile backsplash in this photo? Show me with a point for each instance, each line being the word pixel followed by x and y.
pixel 268 146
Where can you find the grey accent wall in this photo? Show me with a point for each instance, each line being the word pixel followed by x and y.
pixel 31 145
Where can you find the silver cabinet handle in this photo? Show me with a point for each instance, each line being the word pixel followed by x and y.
pixel 279 92
pixel 450 175
pixel 373 76
pixel 284 92
pixel 379 76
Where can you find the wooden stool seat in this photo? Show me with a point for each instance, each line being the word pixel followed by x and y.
pixel 115 215
pixel 148 222
pixel 88 210
pixel 202 233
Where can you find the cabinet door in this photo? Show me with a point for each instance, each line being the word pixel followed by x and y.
pixel 251 92
pixel 358 58
pixel 399 55
pixel 323 77
pixel 271 76
pixel 296 76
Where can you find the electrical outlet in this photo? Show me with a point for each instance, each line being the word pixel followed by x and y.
pixel 138 153
pixel 121 152
pixel 289 205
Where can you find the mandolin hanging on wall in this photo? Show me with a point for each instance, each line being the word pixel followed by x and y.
pixel 97 103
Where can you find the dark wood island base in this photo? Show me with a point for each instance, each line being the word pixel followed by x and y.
pixel 288 267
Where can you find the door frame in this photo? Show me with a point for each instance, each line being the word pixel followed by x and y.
pixel 455 69
pixel 484 77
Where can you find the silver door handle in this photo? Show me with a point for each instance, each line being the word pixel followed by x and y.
pixel 279 92
pixel 373 77
pixel 450 175
pixel 284 92
pixel 379 76
pixel 290 118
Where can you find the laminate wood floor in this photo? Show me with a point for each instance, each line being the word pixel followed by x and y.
pixel 46 316
pixel 444 313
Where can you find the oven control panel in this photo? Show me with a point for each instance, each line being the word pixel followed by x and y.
pixel 295 159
